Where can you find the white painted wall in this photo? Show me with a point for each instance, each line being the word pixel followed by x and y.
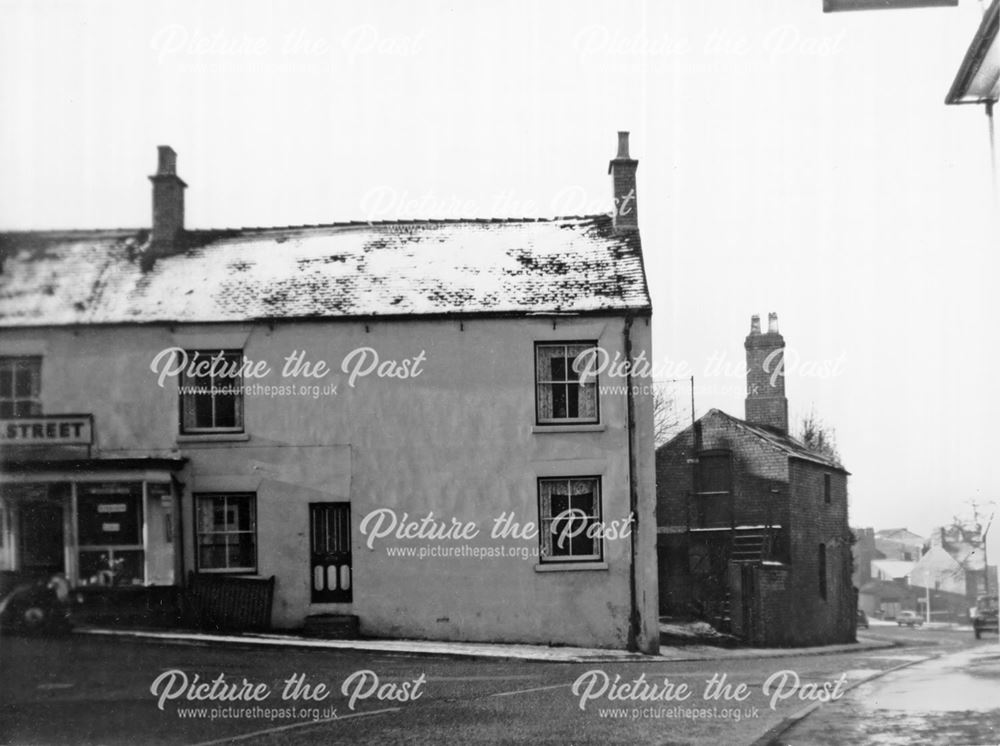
pixel 458 441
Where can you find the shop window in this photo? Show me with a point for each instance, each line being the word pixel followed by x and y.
pixel 561 398
pixel 20 387
pixel 212 399
pixel 109 521
pixel 227 533
pixel 569 520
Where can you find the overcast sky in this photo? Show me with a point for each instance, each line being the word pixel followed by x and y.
pixel 789 161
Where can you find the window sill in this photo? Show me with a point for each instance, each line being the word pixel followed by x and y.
pixel 249 574
pixel 575 428
pixel 213 438
pixel 570 566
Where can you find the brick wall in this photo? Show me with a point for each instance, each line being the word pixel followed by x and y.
pixel 760 496
pixel 768 487
pixel 815 522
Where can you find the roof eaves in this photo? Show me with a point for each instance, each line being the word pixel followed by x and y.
pixel 974 56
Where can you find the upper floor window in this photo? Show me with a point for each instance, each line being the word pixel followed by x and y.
pixel 211 394
pixel 20 387
pixel 827 487
pixel 561 398
pixel 715 472
pixel 569 519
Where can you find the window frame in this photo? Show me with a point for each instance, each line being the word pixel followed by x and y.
pixel 562 559
pixel 237 383
pixel 34 364
pixel 538 383
pixel 199 499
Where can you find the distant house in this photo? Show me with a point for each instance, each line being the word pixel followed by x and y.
pixel 753 530
pixel 864 552
pixel 164 422
pixel 954 565
pixel 899 544
pixel 892 570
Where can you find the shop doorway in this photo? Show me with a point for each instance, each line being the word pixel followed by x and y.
pixel 40 528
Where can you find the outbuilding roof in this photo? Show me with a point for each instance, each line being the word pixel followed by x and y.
pixel 780 441
pixel 573 265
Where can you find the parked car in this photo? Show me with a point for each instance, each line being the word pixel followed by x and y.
pixel 39 605
pixel 862 620
pixel 984 615
pixel 909 619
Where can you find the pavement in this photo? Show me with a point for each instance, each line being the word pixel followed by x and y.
pixel 953 699
pixel 478 650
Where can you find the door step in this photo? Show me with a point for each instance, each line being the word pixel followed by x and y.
pixel 332 626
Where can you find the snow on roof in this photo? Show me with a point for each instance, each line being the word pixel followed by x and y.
pixel 562 265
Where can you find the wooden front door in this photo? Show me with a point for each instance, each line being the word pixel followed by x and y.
pixel 332 578
pixel 40 527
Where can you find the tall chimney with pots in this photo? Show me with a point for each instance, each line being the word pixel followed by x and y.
pixel 766 403
pixel 622 170
pixel 168 202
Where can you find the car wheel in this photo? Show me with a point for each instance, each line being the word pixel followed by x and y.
pixel 34 618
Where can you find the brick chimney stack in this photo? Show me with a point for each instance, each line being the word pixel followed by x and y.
pixel 622 170
pixel 766 403
pixel 168 201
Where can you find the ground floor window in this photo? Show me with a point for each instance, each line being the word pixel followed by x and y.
pixel 227 532
pixel 569 520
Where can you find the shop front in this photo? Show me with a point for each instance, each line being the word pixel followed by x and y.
pixel 101 522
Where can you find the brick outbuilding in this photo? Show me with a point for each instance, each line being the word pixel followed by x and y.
pixel 752 525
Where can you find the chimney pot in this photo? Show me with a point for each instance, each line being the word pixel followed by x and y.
pixel 622 145
pixel 772 323
pixel 167 161
pixel 755 324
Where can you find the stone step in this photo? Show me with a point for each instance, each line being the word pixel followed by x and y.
pixel 332 626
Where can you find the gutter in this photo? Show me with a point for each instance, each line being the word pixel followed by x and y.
pixel 634 618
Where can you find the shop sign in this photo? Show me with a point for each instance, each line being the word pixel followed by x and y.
pixel 69 429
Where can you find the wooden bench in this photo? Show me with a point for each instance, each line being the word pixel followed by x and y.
pixel 228 602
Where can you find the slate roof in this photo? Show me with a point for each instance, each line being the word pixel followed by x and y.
pixel 401 268
pixel 792 447
pixel 894 568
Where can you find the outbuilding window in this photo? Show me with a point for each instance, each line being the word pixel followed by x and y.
pixel 569 520
pixel 561 397
pixel 227 533
pixel 20 386
pixel 821 565
pixel 212 392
